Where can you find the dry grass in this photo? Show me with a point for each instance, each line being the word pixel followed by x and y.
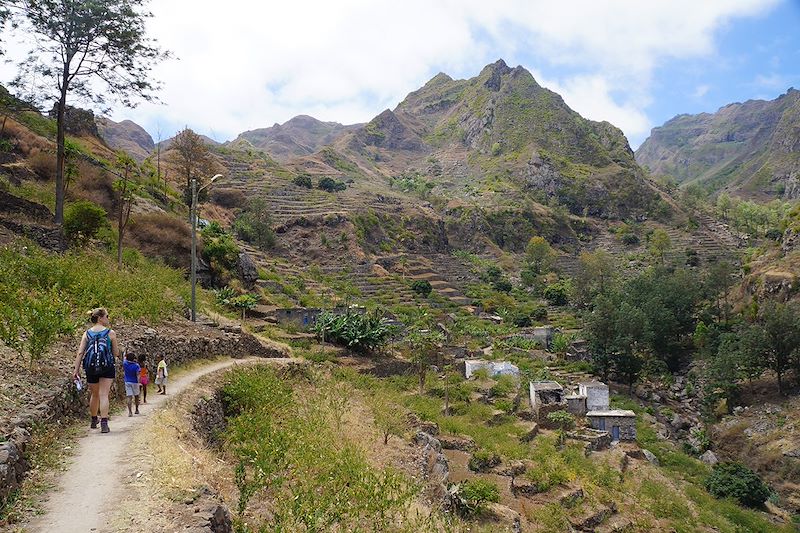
pixel 27 142
pixel 163 236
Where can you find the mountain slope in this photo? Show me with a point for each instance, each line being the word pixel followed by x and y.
pixel 126 135
pixel 499 138
pixel 750 148
pixel 301 135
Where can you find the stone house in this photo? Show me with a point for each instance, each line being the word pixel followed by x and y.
pixel 576 404
pixel 620 423
pixel 301 317
pixel 596 393
pixel 546 397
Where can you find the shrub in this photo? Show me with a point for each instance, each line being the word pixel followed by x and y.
pixel 774 234
pixel 303 180
pixel 331 185
pixel 83 220
pixel 422 287
pixel 472 495
pixel 228 198
pixel 558 293
pixel 735 480
pixel 630 239
pixel 219 248
pixel 503 285
pixel 561 419
pixel 483 460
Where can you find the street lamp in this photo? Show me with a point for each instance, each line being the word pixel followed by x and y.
pixel 193 216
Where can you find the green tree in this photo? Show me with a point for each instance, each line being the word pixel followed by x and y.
pixel 422 287
pixel 126 190
pixel 724 205
pixel 781 338
pixel 423 344
pixel 90 49
pixel 597 272
pixel 303 180
pixel 539 255
pixel 254 224
pixel 388 418
pixel 660 244
pixel 243 303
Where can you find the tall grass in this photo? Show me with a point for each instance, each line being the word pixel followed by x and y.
pixel 287 439
pixel 44 295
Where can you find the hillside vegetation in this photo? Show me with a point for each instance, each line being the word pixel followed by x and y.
pixel 750 149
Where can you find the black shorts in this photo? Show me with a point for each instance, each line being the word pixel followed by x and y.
pixel 95 378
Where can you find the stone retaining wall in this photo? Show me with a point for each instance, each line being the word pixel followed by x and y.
pixel 65 402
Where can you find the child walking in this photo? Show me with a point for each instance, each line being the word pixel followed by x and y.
pixel 161 376
pixel 131 369
pixel 144 376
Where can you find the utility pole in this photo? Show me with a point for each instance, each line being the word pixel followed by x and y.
pixel 193 221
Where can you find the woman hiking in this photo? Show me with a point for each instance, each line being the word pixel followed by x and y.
pixel 97 351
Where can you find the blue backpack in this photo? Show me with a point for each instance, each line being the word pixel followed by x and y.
pixel 98 356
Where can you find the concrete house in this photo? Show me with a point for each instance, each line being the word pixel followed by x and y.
pixel 596 394
pixel 495 368
pixel 620 423
pixel 546 397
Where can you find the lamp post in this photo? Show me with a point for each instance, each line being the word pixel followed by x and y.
pixel 195 192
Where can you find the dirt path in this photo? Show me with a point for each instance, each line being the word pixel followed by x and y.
pixel 88 493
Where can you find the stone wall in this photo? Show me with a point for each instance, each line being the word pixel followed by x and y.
pixel 180 349
pixel 61 402
pixel 64 401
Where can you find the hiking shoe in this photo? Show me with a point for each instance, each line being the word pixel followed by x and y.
pixel 94 423
pixel 136 412
pixel 104 426
pixel 130 414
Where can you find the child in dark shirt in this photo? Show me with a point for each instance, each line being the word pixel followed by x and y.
pixel 131 369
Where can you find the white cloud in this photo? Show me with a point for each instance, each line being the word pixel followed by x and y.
pixel 700 91
pixel 247 64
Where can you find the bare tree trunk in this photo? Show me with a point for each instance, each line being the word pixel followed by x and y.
pixel 60 155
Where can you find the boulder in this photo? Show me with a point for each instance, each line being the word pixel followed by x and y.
pixel 513 468
pixel 679 423
pixel 247 270
pixel 651 457
pixel 709 458
pixel 505 516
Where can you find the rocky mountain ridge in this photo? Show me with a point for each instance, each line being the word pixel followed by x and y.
pixel 751 148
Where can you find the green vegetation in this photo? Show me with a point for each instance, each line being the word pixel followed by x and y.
pixel 254 224
pixel 43 296
pixel 734 480
pixel 220 249
pixel 286 437
pixel 303 180
pixel 331 185
pixel 83 220
pixel 422 287
pixel 471 496
pixel 363 332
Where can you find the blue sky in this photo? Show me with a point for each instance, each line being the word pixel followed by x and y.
pixel 634 63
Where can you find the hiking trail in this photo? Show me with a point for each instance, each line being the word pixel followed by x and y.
pixel 86 495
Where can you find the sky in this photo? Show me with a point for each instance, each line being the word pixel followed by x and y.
pixel 241 65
